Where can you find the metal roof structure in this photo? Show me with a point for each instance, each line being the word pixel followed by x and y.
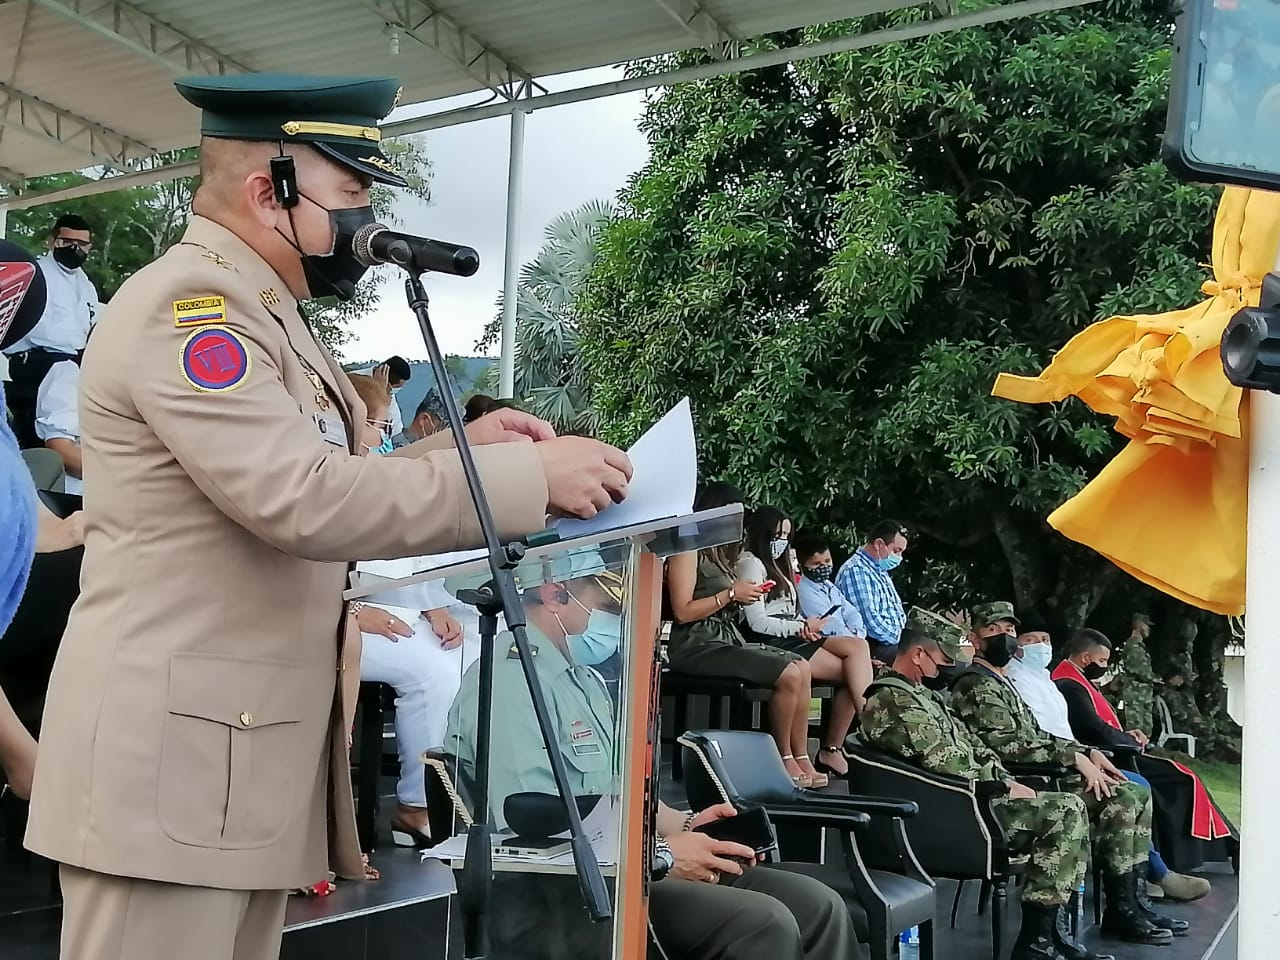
pixel 88 83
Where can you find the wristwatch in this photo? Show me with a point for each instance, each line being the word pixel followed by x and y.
pixel 663 859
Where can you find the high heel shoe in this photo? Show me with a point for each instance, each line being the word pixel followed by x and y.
pixel 826 768
pixel 803 781
pixel 404 834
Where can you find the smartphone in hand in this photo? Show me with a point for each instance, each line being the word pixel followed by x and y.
pixel 751 828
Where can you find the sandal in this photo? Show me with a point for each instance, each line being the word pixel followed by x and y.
pixel 803 781
pixel 370 872
pixel 827 768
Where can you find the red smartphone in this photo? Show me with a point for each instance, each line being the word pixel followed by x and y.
pixel 768 585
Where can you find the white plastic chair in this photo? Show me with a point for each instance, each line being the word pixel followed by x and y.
pixel 1167 732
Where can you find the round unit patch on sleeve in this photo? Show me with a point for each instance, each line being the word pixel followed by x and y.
pixel 215 359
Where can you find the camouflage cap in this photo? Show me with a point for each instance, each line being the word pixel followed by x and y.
pixel 946 634
pixel 985 614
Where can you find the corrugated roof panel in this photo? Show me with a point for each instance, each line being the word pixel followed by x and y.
pixel 77 68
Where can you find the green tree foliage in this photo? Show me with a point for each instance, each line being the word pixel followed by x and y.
pixel 549 381
pixel 835 259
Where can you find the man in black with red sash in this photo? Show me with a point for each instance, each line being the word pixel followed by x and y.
pixel 1189 827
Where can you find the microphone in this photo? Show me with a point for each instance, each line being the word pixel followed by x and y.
pixel 376 243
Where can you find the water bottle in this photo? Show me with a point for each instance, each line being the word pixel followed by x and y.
pixel 909 944
pixel 1079 917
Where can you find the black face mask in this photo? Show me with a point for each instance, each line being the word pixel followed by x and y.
pixel 819 574
pixel 1094 671
pixel 940 681
pixel 72 258
pixel 999 650
pixel 336 274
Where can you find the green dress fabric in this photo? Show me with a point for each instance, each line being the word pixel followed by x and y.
pixel 714 646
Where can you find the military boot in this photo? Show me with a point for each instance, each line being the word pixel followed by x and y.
pixel 1178 928
pixel 1035 938
pixel 1123 919
pixel 1067 945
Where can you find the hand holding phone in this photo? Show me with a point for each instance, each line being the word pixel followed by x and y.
pixel 750 827
pixel 768 585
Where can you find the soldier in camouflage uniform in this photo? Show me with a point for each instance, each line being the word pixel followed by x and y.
pixel 1184 713
pixel 1120 811
pixel 904 716
pixel 1138 679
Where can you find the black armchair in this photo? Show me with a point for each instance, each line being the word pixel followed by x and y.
pixel 956 836
pixel 885 896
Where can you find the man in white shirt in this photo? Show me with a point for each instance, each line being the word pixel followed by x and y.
pixel 58 419
pixel 63 330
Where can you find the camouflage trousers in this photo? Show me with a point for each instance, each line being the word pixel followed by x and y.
pixel 1139 707
pixel 1121 825
pixel 1054 829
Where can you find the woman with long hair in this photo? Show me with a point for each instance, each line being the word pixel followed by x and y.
pixel 775 619
pixel 705 601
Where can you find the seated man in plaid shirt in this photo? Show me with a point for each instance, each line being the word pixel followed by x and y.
pixel 865 582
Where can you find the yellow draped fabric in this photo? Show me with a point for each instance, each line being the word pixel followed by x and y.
pixel 1171 508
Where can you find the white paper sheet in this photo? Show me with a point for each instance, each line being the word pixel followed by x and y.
pixel 601 826
pixel 665 478
pixel 663 483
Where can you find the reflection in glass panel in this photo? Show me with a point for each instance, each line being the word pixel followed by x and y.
pixel 1238 120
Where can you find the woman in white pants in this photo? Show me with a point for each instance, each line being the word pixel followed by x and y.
pixel 421 653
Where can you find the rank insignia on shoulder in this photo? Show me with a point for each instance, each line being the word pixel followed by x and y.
pixel 218 259
pixel 199 311
pixel 214 359
pixel 269 297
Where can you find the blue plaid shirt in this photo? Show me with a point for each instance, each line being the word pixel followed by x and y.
pixel 871 590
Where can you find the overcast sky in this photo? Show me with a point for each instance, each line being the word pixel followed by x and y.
pixel 572 154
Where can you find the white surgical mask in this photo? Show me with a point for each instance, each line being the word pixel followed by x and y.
pixel 1037 655
pixel 778 547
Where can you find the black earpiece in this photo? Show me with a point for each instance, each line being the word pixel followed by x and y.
pixel 285 180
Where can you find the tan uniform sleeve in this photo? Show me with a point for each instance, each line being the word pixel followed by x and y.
pixel 256 455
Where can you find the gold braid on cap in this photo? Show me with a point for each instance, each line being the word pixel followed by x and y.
pixel 323 129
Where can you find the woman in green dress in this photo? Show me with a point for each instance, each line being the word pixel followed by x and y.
pixel 705 639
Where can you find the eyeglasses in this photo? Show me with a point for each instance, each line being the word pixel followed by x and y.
pixel 383 425
pixel 85 245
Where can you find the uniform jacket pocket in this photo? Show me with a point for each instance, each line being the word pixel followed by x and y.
pixel 235 761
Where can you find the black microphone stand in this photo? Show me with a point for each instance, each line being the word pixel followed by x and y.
pixel 500 595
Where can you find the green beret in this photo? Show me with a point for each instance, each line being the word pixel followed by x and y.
pixel 985 614
pixel 946 634
pixel 336 115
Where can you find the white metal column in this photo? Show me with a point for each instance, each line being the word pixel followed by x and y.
pixel 4 218
pixel 1259 906
pixel 511 272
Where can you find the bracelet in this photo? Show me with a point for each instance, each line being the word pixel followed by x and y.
pixel 688 822
pixel 355 608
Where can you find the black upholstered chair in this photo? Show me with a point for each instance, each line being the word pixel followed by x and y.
pixel 955 837
pixel 886 894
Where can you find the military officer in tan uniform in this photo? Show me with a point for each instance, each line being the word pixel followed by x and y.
pixel 192 764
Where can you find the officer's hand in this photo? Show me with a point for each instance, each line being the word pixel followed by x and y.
pixel 508 426
pixel 376 620
pixel 700 857
pixel 1099 760
pixel 1094 780
pixel 445 627
pixel 721 811
pixel 1020 791
pixel 583 476
pixel 1141 737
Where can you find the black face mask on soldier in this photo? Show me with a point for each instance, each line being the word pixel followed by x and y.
pixel 336 273
pixel 941 680
pixel 999 649
pixel 70 258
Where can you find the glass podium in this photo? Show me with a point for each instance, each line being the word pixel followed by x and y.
pixel 593 608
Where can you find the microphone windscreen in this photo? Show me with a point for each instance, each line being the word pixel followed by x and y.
pixel 22 293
